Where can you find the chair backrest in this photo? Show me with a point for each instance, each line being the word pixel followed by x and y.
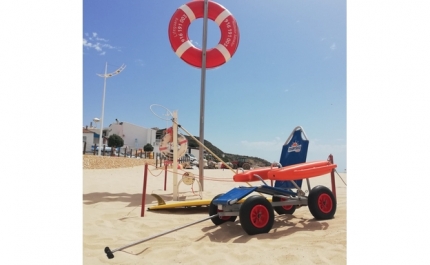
pixel 294 151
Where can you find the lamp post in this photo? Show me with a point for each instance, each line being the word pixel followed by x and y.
pixel 95 121
pixel 202 91
pixel 105 75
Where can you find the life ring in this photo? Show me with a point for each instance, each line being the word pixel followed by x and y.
pixel 168 139
pixel 181 44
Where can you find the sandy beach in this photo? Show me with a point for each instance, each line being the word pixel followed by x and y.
pixel 111 217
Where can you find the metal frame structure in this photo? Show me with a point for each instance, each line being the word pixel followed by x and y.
pixel 228 203
pixel 256 212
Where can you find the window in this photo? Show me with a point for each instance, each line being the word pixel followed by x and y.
pixel 85 138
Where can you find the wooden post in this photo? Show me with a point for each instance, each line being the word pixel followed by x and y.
pixel 85 147
pixel 145 176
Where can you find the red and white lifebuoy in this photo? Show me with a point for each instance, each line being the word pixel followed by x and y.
pixel 165 146
pixel 181 44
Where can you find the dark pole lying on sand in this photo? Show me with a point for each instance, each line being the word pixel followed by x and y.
pixel 109 252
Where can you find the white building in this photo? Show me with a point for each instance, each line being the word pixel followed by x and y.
pixel 89 138
pixel 135 137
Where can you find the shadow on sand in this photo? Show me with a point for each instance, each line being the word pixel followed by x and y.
pixel 284 225
pixel 133 200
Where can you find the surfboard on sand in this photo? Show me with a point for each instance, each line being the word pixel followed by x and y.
pixel 178 204
pixel 162 205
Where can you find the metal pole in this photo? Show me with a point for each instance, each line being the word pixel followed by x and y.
pixel 103 111
pixel 165 174
pixel 333 182
pixel 106 75
pixel 145 177
pixel 175 155
pixel 109 252
pixel 202 93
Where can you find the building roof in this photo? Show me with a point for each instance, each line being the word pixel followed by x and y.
pixel 87 131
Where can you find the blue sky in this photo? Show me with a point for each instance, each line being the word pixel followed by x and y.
pixel 46 73
pixel 289 70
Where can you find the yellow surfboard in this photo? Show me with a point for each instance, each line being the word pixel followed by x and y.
pixel 162 205
pixel 181 204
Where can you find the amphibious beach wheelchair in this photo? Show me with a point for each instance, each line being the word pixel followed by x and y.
pixel 256 212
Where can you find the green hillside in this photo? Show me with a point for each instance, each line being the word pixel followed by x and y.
pixel 254 161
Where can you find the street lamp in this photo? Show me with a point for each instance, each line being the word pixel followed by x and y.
pixel 95 121
pixel 106 75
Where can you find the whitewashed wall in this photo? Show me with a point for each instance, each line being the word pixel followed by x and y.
pixel 134 136
pixel 89 138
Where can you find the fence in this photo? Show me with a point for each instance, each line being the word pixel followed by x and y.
pixel 136 153
pixel 161 160
pixel 119 152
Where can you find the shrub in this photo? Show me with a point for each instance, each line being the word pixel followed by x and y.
pixel 115 141
pixel 148 148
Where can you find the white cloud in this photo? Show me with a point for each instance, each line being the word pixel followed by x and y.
pixel 327 148
pixel 195 43
pixel 333 46
pixel 276 144
pixel 139 61
pixel 259 145
pixel 99 44
pixel 269 150
pixel 318 150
